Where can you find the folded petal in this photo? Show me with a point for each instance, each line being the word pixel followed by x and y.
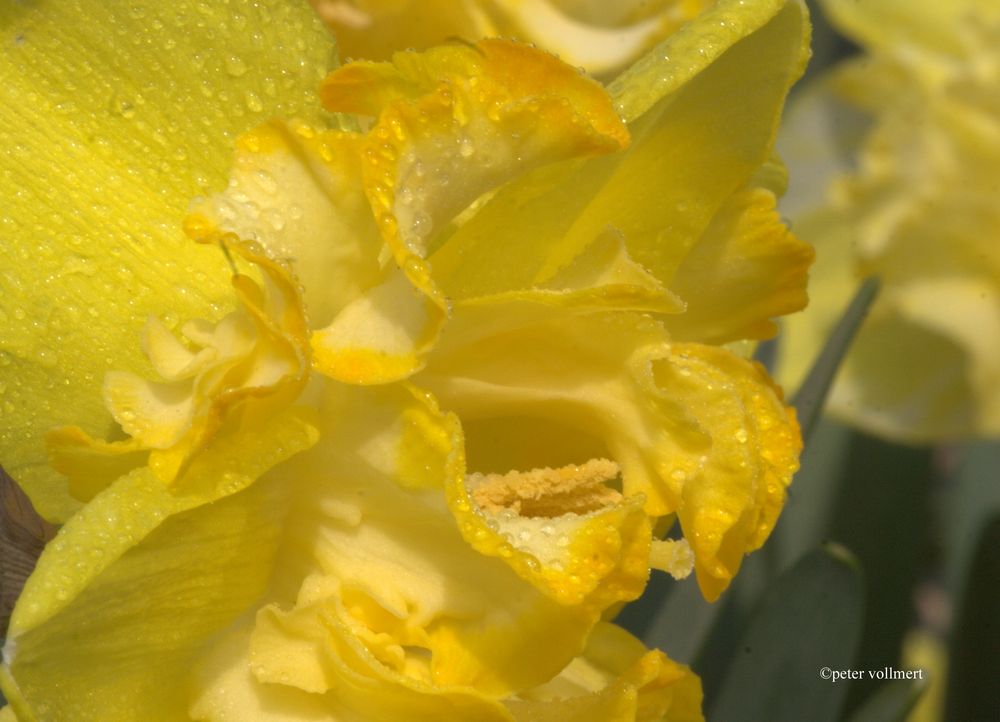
pixel 451 124
pixel 688 156
pixel 745 270
pixel 103 147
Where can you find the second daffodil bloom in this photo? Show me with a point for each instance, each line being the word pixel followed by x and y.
pixel 602 37
pixel 470 367
pixel 919 210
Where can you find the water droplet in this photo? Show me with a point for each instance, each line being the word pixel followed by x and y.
pixel 253 102
pixel 235 66
pixel 421 225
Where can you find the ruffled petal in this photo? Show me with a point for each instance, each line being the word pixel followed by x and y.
pixel 744 271
pixel 451 124
pixel 732 493
pixel 310 663
pixel 257 352
pixel 113 118
pixel 689 154
pixel 696 430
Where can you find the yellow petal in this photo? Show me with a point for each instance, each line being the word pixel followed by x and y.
pixel 562 530
pixel 314 644
pixel 689 153
pixel 80 619
pixel 91 464
pixel 375 29
pixel 745 270
pixel 615 680
pixel 298 191
pixel 457 121
pixel 113 118
pixel 452 124
pixel 732 494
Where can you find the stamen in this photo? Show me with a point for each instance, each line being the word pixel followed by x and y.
pixel 577 489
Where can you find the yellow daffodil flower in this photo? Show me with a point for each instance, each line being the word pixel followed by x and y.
pixel 919 210
pixel 602 37
pixel 470 359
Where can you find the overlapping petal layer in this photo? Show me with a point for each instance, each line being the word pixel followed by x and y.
pixel 920 212
pixel 451 124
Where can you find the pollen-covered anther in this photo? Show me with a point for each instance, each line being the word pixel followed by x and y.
pixel 673 556
pixel 546 492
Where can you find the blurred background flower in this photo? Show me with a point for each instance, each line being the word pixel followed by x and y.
pixel 898 153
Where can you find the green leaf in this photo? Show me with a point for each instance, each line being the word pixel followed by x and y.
pixel 892 702
pixel 809 620
pixel 809 398
pixel 973 498
pixel 974 665
pixel 677 620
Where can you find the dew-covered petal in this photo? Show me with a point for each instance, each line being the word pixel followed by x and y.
pixel 451 124
pixel 298 191
pixel 113 117
pixel 120 655
pixel 732 494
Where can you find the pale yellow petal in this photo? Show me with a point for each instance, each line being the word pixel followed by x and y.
pixel 124 598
